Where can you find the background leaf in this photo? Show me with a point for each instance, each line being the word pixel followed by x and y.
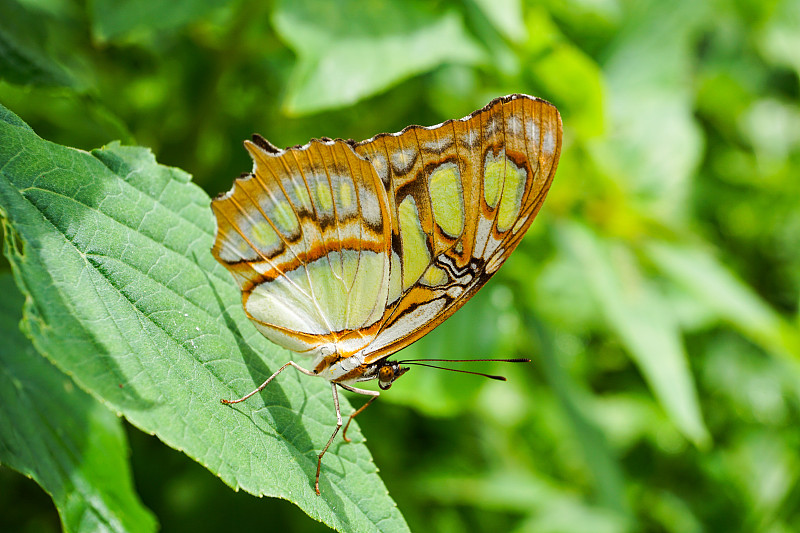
pixel 342 48
pixel 657 143
pixel 34 42
pixel 506 16
pixel 124 19
pixel 727 296
pixel 634 309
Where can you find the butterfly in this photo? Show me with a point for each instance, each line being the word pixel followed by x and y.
pixel 346 252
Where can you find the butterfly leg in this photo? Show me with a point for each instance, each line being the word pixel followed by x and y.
pixel 372 393
pixel 333 435
pixel 259 389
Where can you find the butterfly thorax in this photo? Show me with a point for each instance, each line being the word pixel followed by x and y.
pixel 330 363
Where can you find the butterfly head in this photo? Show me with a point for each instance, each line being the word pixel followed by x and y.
pixel 388 371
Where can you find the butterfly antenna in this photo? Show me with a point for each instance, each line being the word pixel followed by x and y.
pixel 420 362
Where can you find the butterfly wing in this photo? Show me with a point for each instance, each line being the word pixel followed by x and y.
pixel 461 195
pixel 368 246
pixel 306 236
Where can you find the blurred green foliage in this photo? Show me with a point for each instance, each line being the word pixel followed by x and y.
pixel 657 293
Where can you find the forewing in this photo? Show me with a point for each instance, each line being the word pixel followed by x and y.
pixel 307 237
pixel 461 196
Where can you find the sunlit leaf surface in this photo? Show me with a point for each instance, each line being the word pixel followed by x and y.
pixel 113 252
pixel 61 437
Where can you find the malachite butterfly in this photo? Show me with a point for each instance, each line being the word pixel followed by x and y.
pixel 346 252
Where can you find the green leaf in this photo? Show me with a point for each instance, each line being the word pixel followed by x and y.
pixel 33 47
pixel 112 251
pixel 574 401
pixel 346 52
pixel 61 437
pixel 637 313
pixel 579 85
pixel 718 288
pixel 654 143
pixel 117 20
pixel 506 17
pixel 546 508
pixel 780 36
pixel 569 74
